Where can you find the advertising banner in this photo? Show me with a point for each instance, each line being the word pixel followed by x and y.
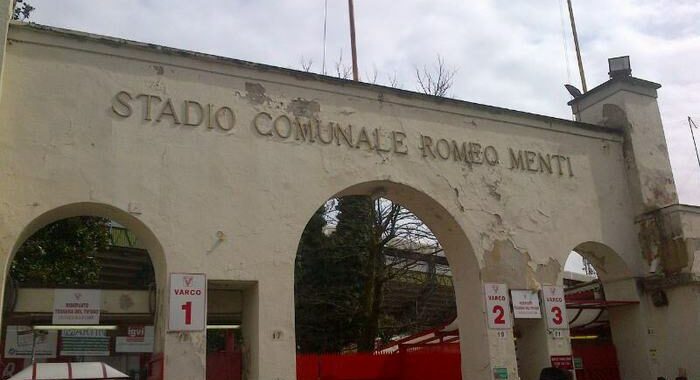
pixel 84 343
pixel 139 339
pixel 20 339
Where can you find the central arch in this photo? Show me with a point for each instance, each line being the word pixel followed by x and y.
pixel 463 263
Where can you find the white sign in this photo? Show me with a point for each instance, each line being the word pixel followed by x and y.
pixel 84 343
pixel 497 306
pixel 138 339
pixel 526 304
pixel 19 341
pixel 555 307
pixel 76 306
pixel 188 302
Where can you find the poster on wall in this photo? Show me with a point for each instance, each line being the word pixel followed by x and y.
pixel 562 361
pixel 188 302
pixel 19 342
pixel 139 338
pixel 497 306
pixel 84 343
pixel 76 306
pixel 555 307
pixel 526 304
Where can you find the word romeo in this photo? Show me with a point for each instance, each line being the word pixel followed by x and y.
pixel 188 112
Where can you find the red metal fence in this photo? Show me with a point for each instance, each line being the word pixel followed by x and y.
pixel 437 362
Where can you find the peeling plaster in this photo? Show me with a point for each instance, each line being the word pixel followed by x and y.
pixel 658 237
pixel 548 273
pixel 506 264
pixel 255 93
pixel 304 108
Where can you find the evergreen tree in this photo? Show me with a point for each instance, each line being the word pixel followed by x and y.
pixel 340 279
pixel 62 253
pixel 325 292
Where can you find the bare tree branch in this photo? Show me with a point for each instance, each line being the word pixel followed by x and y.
pixel 437 79
pixel 342 71
pixel 306 64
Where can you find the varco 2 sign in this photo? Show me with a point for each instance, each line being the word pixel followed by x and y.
pixel 188 302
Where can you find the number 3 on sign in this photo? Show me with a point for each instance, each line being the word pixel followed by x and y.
pixel 555 305
pixel 557 318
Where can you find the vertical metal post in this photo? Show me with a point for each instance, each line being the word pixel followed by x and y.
pixel 578 50
pixel 351 9
pixel 34 332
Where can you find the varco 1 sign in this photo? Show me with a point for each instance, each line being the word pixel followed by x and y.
pixel 188 302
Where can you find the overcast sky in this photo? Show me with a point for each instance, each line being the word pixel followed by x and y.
pixel 508 53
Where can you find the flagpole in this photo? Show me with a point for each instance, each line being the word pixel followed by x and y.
pixel 578 50
pixel 692 124
pixel 351 9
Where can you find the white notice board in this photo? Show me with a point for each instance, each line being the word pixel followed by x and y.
pixel 497 306
pixel 555 307
pixel 188 302
pixel 526 304
pixel 76 306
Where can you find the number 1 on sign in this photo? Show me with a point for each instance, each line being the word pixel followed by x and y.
pixel 187 307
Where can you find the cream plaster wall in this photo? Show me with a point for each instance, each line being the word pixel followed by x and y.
pixel 62 147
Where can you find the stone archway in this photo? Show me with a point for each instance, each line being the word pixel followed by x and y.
pixel 463 263
pixel 146 237
pixel 625 313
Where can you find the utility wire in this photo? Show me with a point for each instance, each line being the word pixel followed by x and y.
pixel 562 19
pixel 692 125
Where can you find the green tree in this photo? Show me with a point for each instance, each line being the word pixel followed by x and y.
pixel 341 279
pixel 63 253
pixel 22 10
pixel 326 291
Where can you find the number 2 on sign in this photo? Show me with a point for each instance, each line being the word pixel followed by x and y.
pixel 558 319
pixel 187 307
pixel 500 315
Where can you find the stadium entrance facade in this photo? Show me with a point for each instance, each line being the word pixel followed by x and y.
pixel 217 165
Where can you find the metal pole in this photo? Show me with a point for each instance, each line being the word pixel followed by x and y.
pixel 34 332
pixel 578 50
pixel 692 124
pixel 351 9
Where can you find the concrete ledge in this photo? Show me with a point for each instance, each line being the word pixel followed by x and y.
pixel 648 284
